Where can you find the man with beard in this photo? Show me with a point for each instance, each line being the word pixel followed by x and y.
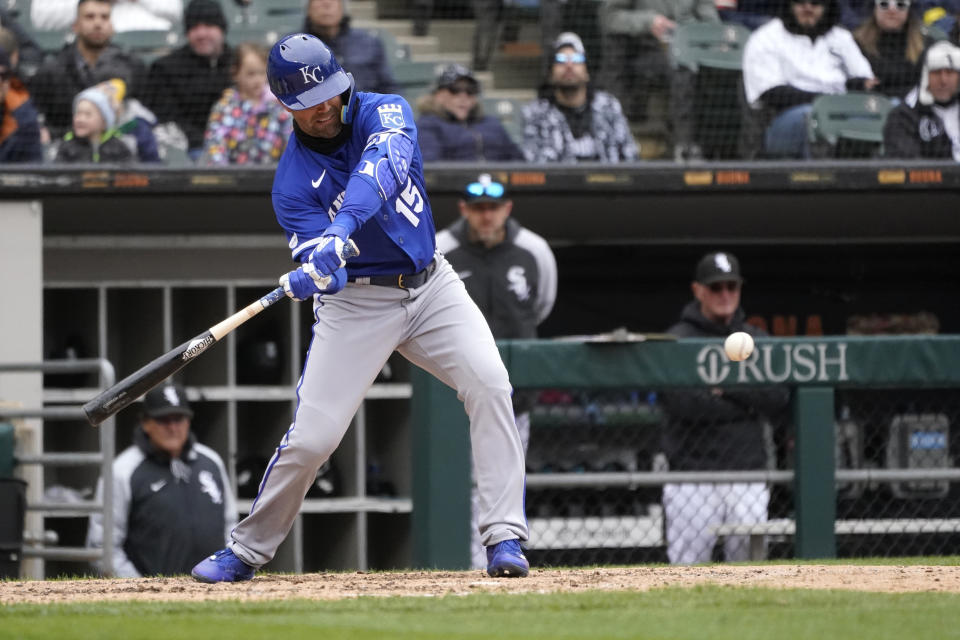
pixel 186 83
pixel 89 60
pixel 356 49
pixel 793 59
pixel 927 123
pixel 572 121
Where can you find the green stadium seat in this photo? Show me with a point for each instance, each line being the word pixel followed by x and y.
pixel 852 116
pixel 709 44
pixel 507 110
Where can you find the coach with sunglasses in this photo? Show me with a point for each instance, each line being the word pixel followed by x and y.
pixel 453 127
pixel 716 429
pixel 511 273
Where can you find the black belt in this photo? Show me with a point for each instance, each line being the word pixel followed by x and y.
pixel 401 280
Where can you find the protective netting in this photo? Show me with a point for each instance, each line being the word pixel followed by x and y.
pixel 678 73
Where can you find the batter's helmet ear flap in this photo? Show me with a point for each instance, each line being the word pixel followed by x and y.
pixel 346 112
pixel 303 72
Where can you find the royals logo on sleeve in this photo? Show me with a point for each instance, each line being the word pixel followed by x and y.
pixel 391 115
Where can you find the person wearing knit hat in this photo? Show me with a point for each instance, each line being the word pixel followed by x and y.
pixel 183 85
pixel 924 125
pixel 206 12
pixel 94 137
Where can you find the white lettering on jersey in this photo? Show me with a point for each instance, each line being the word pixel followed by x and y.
pixel 335 207
pixel 209 487
pixel 517 278
pixel 391 115
pixel 410 203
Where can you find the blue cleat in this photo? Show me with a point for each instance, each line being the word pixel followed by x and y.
pixel 506 560
pixel 223 566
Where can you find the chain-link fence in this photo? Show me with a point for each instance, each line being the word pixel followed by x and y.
pixel 603 469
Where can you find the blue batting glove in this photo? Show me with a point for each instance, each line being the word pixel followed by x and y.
pixel 327 257
pixel 305 282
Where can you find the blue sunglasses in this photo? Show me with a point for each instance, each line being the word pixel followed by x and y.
pixel 493 189
pixel 576 58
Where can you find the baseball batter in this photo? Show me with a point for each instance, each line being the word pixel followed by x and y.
pixel 352 173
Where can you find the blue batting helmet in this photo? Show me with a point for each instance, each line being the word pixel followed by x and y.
pixel 303 73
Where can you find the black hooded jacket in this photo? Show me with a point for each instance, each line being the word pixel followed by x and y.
pixel 708 430
pixel 916 131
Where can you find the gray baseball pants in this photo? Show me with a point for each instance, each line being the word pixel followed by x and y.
pixel 436 327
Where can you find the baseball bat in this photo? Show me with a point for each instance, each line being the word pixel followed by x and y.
pixel 125 392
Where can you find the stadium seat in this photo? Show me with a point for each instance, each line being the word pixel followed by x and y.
pixel 709 44
pixel 853 121
pixel 508 111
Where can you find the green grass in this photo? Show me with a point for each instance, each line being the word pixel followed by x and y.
pixel 702 613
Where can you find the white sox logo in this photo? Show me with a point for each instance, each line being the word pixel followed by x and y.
pixel 197 347
pixel 310 74
pixel 823 362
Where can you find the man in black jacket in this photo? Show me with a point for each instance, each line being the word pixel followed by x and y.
pixel 715 429
pixel 928 125
pixel 355 49
pixel 511 273
pixel 184 85
pixel 172 501
pixel 89 60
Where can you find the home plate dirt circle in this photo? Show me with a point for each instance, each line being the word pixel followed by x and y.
pixel 334 586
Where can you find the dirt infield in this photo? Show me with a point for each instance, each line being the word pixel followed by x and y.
pixel 333 586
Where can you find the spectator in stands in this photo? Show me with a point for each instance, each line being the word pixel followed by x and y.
pixel 172 501
pixel 247 125
pixel 790 61
pixel 749 13
pixel 637 65
pixel 925 125
pixel 892 39
pixel 941 15
pixel 134 121
pixel 89 59
pixel 511 273
pixel 25 54
pixel 571 121
pixel 94 137
pixel 128 15
pixel 716 429
pixel 452 125
pixel 355 49
pixel 490 17
pixel 184 84
pixel 19 121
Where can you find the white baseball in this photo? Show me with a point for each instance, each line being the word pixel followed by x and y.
pixel 738 345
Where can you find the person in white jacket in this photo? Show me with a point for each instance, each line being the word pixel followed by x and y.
pixel 127 15
pixel 793 59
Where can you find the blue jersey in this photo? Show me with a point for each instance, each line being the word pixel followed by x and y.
pixel 395 234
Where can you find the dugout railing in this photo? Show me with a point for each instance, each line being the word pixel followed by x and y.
pixel 818 371
pixel 38 543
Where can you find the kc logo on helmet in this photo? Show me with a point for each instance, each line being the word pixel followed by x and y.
pixel 310 74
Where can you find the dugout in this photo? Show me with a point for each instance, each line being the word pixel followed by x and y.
pixel 824 246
